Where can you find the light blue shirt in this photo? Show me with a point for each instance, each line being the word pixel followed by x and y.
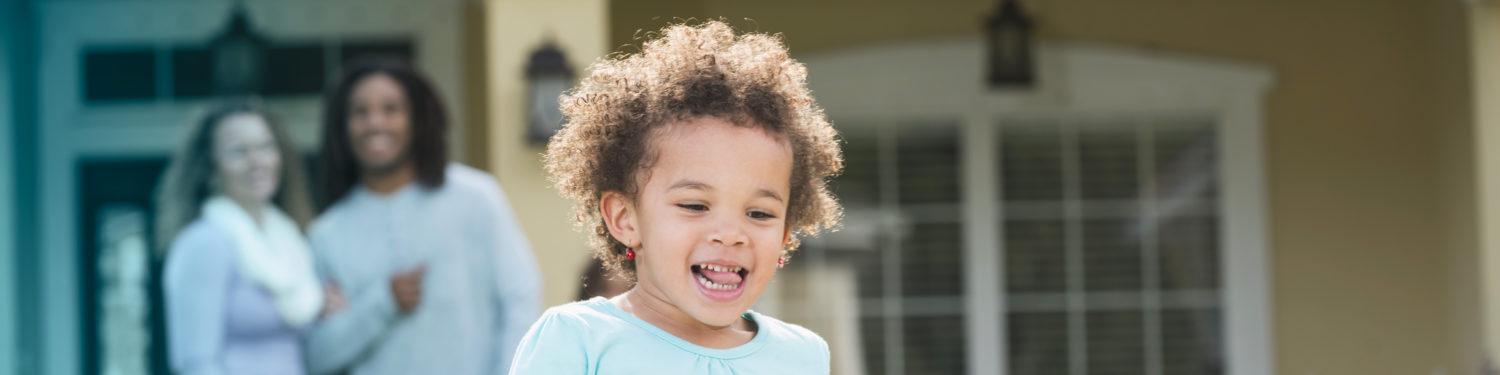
pixel 596 337
pixel 480 292
pixel 218 321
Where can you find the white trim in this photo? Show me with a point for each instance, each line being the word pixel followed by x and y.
pixel 1246 263
pixel 889 200
pixel 70 130
pixel 8 251
pixel 936 78
pixel 1106 301
pixel 942 78
pixel 981 232
pixel 1077 304
pixel 1150 265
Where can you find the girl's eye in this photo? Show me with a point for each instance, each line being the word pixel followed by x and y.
pixel 761 215
pixel 693 207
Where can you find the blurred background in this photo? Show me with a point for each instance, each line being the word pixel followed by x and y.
pixel 1046 187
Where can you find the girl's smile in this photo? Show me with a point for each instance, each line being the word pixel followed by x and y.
pixel 707 223
pixel 720 282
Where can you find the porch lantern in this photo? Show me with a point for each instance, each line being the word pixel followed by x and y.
pixel 547 76
pixel 238 56
pixel 1009 34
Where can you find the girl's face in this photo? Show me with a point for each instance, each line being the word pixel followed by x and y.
pixel 709 218
pixel 246 159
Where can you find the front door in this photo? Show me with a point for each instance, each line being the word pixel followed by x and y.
pixel 124 330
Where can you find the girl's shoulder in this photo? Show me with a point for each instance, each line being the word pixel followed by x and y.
pixel 599 317
pixel 583 317
pixel 580 311
pixel 787 334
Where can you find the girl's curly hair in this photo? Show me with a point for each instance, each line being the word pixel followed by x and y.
pixel 688 72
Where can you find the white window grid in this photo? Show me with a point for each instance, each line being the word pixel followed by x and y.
pixel 892 217
pixel 1150 300
pixel 891 307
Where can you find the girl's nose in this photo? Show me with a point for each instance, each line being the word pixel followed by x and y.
pixel 729 233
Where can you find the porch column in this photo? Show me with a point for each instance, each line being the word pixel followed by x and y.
pixel 1485 47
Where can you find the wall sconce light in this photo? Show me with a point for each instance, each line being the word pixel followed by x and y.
pixel 1009 34
pixel 238 56
pixel 547 75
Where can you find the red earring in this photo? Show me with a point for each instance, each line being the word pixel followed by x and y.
pixel 780 262
pixel 629 254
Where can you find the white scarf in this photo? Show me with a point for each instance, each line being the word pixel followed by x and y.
pixel 277 257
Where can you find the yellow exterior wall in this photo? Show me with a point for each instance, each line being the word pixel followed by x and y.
pixel 513 28
pixel 1364 231
pixel 1456 115
pixel 476 150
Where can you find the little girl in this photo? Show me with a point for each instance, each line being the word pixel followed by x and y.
pixel 696 165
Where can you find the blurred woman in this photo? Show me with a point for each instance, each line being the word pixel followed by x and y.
pixel 239 278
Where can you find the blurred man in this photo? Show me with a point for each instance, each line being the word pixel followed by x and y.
pixel 437 275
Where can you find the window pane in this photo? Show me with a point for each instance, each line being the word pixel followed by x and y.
pixel 872 331
pixel 1034 259
pixel 934 345
pixel 932 260
pixel 119 74
pixel 1110 229
pixel 400 48
pixel 1189 253
pixel 1192 342
pixel 1111 254
pixel 927 163
pixel 294 69
pixel 192 72
pixel 1038 343
pixel 1031 163
pixel 866 263
pixel 1185 162
pixel 1116 343
pixel 1107 164
pixel 859 185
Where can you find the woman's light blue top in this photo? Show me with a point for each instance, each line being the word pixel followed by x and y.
pixel 596 337
pixel 218 321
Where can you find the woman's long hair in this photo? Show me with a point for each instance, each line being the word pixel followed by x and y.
pixel 186 183
pixel 339 169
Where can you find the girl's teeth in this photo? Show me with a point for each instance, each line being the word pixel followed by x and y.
pixel 718 268
pixel 713 285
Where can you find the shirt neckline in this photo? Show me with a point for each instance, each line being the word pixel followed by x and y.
pixel 366 193
pixel 605 306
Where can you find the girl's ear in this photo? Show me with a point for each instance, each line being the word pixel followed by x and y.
pixel 786 234
pixel 619 217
